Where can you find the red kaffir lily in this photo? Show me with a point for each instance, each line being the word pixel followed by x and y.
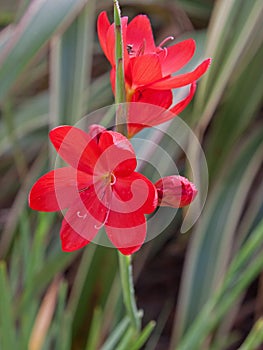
pixel 149 68
pixel 99 187
pixel 175 191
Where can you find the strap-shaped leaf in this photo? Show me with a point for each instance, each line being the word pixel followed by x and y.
pixel 40 22
pixel 210 249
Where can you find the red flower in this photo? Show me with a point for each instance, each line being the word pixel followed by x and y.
pixel 149 68
pixel 99 187
pixel 175 191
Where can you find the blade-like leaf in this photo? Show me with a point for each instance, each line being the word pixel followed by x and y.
pixel 7 324
pixel 42 19
pixel 213 238
pixel 245 267
pixel 71 58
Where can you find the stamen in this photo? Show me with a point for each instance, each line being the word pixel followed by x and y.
pixel 84 189
pixel 129 49
pixel 100 226
pixel 108 206
pixel 112 179
pixel 165 52
pixel 106 218
pixel 81 216
pixel 165 40
pixel 141 48
pixel 100 191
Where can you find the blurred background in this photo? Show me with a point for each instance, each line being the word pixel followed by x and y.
pixel 204 289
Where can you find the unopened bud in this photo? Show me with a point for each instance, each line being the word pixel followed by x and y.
pixel 95 131
pixel 175 191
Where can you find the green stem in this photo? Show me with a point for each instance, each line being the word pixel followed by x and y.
pixel 120 95
pixel 128 291
pixel 121 126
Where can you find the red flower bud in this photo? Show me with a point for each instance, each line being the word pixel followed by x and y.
pixel 175 191
pixel 95 131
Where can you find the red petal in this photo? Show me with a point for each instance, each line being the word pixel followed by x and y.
pixel 75 147
pixel 87 214
pixel 96 200
pixel 127 232
pixel 175 57
pixel 70 240
pixel 175 191
pixel 182 79
pixel 117 154
pixel 162 98
pixel 139 34
pixel 180 106
pixel 57 189
pixel 142 115
pixel 145 69
pixel 133 193
pixel 103 25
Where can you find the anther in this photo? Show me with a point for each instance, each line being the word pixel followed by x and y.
pixel 129 49
pixel 112 179
pixel 81 216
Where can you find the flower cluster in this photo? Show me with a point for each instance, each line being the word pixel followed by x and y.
pixel 149 68
pixel 99 186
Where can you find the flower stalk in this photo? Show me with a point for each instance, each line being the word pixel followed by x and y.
pixel 120 96
pixel 128 291
pixel 121 126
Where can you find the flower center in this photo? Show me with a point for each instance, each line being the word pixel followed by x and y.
pixel 130 49
pixel 109 179
pixel 129 93
pixel 139 51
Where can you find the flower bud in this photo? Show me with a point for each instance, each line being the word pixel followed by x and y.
pixel 175 191
pixel 95 131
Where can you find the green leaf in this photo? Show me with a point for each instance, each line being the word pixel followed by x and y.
pixel 245 267
pixel 71 58
pixel 42 17
pixel 235 116
pixel 212 241
pixel 143 337
pixel 116 335
pixel 255 337
pixel 7 322
pixel 226 48
pixel 95 328
pixel 19 203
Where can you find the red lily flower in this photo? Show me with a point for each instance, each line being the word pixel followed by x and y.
pixel 99 187
pixel 175 191
pixel 149 68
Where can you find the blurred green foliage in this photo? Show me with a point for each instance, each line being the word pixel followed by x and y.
pixel 52 72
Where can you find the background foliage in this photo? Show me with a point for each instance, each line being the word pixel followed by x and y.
pixel 204 288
